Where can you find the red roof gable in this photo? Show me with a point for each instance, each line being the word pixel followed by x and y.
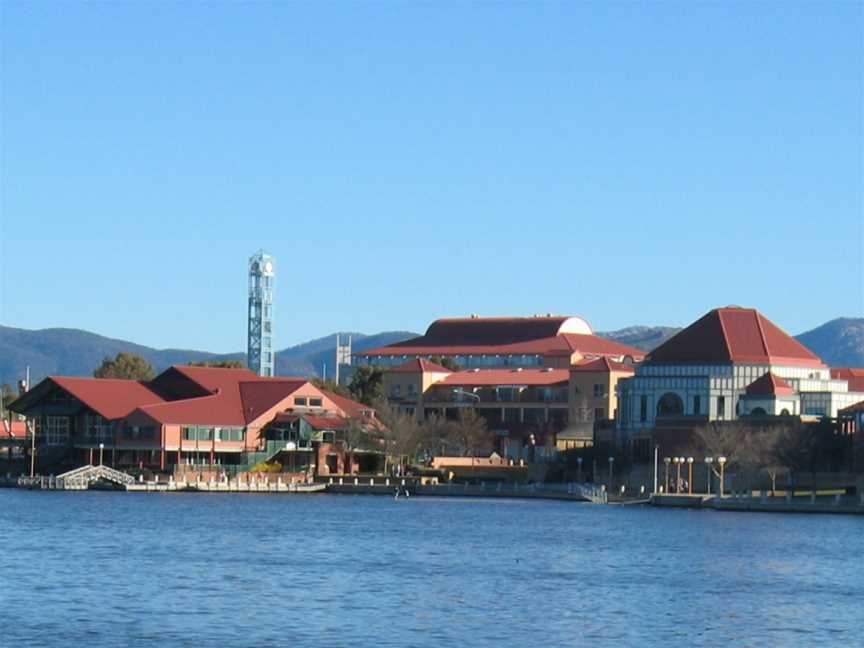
pixel 855 377
pixel 420 365
pixel 769 385
pixel 238 397
pixel 350 407
pixel 493 377
pixel 734 335
pixel 604 365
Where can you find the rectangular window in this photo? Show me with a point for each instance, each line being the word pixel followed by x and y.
pixel 98 429
pixel 599 392
pixel 697 405
pixel 412 389
pixel 57 430
pixel 599 414
pixel 197 434
pixel 300 401
pixel 721 407
pixel 230 434
pixel 643 408
pixel 315 402
pixel 395 391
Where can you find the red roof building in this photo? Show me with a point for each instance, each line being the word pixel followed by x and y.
pixel 496 342
pixel 212 414
pixel 732 362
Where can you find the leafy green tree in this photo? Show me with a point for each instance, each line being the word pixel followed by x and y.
pixel 219 364
pixel 128 366
pixel 367 384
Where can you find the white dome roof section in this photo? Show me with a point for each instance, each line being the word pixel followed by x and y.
pixel 576 325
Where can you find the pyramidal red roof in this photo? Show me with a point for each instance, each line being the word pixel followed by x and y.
pixel 734 335
pixel 420 365
pixel 769 385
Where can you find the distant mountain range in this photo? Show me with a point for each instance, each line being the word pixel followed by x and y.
pixel 72 352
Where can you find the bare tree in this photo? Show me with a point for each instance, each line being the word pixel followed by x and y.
pixel 402 434
pixel 469 433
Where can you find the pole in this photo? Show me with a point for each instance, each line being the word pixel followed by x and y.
pixel 722 467
pixel 338 341
pixel 689 475
pixel 656 459
pixel 666 461
pixel 33 444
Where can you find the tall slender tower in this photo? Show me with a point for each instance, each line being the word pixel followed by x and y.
pixel 262 272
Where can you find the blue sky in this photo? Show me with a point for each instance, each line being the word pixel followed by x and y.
pixel 632 163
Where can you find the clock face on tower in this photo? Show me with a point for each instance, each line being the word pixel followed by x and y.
pixel 268 267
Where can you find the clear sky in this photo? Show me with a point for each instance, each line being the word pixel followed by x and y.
pixel 634 163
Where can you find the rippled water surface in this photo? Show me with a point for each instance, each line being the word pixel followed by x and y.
pixel 117 569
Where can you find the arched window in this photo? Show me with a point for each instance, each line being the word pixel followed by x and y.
pixel 784 412
pixel 670 404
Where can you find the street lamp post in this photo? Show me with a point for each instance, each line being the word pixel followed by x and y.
pixel 708 462
pixel 579 469
pixel 611 461
pixel 677 462
pixel 722 462
pixel 690 475
pixel 101 450
pixel 667 461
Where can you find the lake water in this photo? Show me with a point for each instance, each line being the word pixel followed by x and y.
pixel 117 569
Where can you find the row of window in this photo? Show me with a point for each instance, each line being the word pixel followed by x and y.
pixel 196 433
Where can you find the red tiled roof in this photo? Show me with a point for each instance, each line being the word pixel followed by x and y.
pixel 238 397
pixel 15 430
pixel 111 398
pixel 492 330
pixel 604 365
pixel 259 396
pixel 855 377
pixel 492 377
pixel 734 335
pixel 350 407
pixel 563 344
pixel 420 365
pixel 325 422
pixel 769 385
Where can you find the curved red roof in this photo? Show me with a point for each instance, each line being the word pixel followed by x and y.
pixel 488 330
pixel 734 335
